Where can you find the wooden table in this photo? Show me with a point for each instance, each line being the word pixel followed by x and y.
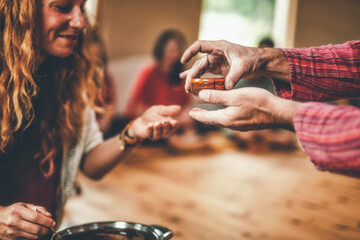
pixel 223 194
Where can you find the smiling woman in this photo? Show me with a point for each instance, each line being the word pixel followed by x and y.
pixel 49 80
pixel 62 23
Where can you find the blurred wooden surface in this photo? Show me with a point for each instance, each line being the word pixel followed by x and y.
pixel 223 194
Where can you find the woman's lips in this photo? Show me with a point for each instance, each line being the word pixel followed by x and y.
pixel 69 38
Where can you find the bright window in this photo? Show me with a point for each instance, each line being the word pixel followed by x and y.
pixel 240 21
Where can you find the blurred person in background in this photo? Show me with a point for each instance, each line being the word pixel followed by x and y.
pixel 159 83
pixel 48 129
pixel 303 77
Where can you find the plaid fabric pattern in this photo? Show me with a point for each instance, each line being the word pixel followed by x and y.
pixel 330 135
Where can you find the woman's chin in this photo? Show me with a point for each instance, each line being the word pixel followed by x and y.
pixel 63 53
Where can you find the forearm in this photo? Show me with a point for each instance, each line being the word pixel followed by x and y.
pixel 102 158
pixel 322 73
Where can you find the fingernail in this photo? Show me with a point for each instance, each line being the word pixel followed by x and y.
pixel 53 224
pixel 229 85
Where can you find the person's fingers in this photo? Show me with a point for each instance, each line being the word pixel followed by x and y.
pixel 33 215
pixel 157 131
pixel 196 70
pixel 39 209
pixel 174 125
pixel 25 221
pixel 215 117
pixel 183 74
pixel 168 111
pixel 232 77
pixel 32 229
pixel 166 129
pixel 149 131
pixel 197 47
pixel 15 233
pixel 220 97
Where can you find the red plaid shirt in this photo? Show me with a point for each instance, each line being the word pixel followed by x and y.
pixel 330 135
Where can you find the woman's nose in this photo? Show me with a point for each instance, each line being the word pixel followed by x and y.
pixel 77 20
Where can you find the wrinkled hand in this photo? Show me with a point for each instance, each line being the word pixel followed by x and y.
pixel 235 62
pixel 223 58
pixel 156 122
pixel 21 220
pixel 247 109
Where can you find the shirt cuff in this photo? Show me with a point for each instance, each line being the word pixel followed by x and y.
pixel 282 89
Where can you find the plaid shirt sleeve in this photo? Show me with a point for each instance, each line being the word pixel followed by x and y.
pixel 330 136
pixel 322 73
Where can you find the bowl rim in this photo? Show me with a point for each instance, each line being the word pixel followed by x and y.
pixel 159 232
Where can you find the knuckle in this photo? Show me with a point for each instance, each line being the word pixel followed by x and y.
pixel 36 230
pixel 10 232
pixel 34 217
pixel 11 221
pixel 13 209
pixel 42 209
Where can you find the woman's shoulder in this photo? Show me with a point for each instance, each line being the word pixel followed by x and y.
pixel 149 70
pixel 148 67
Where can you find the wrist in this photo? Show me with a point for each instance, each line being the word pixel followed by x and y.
pixel 127 137
pixel 131 131
pixel 274 64
pixel 285 112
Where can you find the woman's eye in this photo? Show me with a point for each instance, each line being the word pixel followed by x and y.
pixel 63 8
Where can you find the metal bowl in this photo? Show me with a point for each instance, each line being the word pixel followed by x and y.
pixel 114 231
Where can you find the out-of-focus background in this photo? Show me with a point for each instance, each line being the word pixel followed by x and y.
pixel 212 183
pixel 130 28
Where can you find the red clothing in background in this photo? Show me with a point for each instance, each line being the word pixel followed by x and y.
pixel 152 87
pixel 330 135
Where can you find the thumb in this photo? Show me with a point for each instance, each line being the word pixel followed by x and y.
pixel 169 111
pixel 232 77
pixel 183 74
pixel 220 97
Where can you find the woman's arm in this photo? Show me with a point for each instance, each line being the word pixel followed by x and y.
pixel 157 122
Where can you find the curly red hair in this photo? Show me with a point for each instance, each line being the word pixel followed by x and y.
pixel 75 86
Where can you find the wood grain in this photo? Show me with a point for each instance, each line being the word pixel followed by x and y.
pixel 229 194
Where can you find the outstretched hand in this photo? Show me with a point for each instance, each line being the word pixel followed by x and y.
pixel 156 122
pixel 247 109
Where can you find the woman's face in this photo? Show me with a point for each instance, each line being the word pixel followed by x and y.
pixel 172 52
pixel 61 22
